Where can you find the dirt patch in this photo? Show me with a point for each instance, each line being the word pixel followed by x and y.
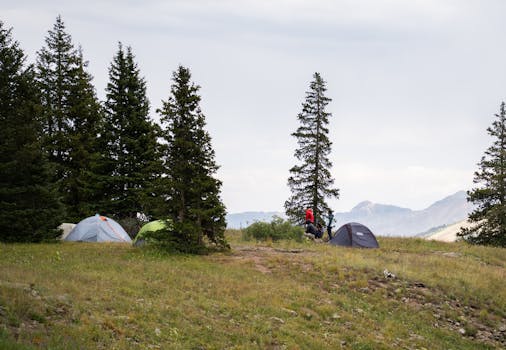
pixel 259 256
pixel 245 250
pixel 259 264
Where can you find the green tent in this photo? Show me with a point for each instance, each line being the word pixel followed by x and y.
pixel 153 226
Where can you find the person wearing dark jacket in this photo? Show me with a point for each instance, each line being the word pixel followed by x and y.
pixel 313 231
pixel 329 224
pixel 309 221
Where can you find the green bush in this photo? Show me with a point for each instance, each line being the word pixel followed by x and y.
pixel 276 230
pixel 181 238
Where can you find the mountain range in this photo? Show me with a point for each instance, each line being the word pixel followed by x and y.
pixel 383 219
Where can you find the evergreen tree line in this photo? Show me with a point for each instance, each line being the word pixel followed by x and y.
pixel 65 155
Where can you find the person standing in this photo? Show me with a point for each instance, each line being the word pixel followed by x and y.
pixel 329 224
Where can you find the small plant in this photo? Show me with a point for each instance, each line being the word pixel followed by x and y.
pixel 484 315
pixel 13 320
pixel 276 230
pixel 470 330
pixel 37 317
pixel 57 256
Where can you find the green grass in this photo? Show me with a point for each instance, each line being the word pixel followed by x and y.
pixel 281 295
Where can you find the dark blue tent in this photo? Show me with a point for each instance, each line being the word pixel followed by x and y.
pixel 354 234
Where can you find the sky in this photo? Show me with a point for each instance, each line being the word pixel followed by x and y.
pixel 414 84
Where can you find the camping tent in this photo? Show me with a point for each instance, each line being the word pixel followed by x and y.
pixel 66 229
pixel 152 226
pixel 354 235
pixel 98 229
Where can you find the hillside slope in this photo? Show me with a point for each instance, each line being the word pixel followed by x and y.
pixel 409 294
pixel 448 233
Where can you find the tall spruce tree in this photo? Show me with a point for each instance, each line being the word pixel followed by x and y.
pixel 29 209
pixel 57 65
pixel 129 140
pixel 310 182
pixel 71 119
pixel 81 186
pixel 489 217
pixel 193 193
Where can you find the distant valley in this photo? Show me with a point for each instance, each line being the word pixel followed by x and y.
pixel 382 219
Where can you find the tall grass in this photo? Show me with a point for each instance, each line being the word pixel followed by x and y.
pixel 274 295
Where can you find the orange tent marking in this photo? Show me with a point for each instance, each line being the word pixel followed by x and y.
pixel 103 218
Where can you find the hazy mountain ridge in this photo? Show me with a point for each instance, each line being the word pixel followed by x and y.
pixel 389 220
pixel 383 219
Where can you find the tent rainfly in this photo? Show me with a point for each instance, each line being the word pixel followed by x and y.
pixel 152 226
pixel 354 235
pixel 98 229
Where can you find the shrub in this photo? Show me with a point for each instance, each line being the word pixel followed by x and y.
pixel 276 230
pixel 180 238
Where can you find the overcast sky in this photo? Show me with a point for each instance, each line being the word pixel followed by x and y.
pixel 414 83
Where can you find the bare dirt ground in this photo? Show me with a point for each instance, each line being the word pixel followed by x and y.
pixel 258 255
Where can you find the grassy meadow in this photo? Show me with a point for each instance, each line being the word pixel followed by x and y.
pixel 281 295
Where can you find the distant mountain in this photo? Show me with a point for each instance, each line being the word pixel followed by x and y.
pixel 389 220
pixel 382 219
pixel 242 220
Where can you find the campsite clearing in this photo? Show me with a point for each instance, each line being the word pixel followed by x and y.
pixel 283 295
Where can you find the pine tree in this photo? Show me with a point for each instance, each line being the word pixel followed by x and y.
pixel 81 187
pixel 57 65
pixel 489 217
pixel 29 210
pixel 72 116
pixel 193 193
pixel 129 140
pixel 310 182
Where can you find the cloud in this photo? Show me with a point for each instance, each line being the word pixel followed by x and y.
pixel 253 188
pixel 318 10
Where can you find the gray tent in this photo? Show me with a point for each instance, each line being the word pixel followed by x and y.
pixel 98 229
pixel 354 234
